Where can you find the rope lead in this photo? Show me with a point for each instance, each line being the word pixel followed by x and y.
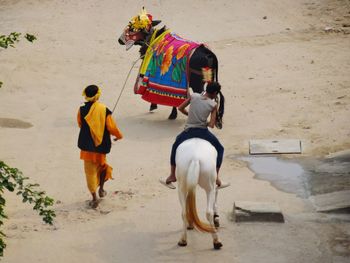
pixel 126 79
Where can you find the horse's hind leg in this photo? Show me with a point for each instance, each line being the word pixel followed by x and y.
pixel 216 212
pixel 210 216
pixel 183 240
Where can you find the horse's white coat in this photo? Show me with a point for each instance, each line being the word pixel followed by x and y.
pixel 196 164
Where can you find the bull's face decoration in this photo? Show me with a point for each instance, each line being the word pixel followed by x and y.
pixel 130 37
pixel 137 30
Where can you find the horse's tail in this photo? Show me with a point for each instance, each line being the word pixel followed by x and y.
pixel 191 209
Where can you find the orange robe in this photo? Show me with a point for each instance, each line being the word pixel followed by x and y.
pixel 95 163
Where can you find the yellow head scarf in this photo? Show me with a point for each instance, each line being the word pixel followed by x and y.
pixel 94 98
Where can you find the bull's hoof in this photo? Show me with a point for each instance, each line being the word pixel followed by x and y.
pixel 173 114
pixel 153 107
pixel 182 243
pixel 217 245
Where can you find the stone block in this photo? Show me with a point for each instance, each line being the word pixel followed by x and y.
pixel 274 146
pixel 245 211
pixel 331 201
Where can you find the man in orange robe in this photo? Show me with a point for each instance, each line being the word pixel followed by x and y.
pixel 96 127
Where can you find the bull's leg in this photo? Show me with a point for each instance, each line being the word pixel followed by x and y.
pixel 173 114
pixel 153 107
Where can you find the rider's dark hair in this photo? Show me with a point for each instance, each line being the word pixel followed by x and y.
pixel 91 90
pixel 212 88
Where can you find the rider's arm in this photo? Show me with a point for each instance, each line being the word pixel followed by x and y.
pixel 183 106
pixel 212 120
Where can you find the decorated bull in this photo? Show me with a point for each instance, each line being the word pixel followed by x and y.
pixel 170 64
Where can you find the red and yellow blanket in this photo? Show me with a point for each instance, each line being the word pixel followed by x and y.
pixel 165 69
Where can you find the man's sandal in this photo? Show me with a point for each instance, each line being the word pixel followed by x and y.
pixel 223 185
pixel 169 185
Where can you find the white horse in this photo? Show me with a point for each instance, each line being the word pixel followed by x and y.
pixel 196 164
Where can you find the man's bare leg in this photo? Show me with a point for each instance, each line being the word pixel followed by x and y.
pixel 219 183
pixel 101 191
pixel 168 182
pixel 94 202
pixel 171 178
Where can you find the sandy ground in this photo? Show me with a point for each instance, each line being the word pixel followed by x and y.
pixel 283 77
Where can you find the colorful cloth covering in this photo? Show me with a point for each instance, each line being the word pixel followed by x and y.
pixel 165 69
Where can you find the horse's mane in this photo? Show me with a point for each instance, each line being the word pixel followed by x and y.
pixel 145 44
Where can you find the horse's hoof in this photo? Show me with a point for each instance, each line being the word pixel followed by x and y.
pixel 190 227
pixel 153 107
pixel 217 245
pixel 182 243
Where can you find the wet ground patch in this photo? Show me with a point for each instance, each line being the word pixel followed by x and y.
pixel 327 175
pixel 284 175
pixel 306 177
pixel 14 123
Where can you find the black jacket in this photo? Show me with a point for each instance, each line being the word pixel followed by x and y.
pixel 85 141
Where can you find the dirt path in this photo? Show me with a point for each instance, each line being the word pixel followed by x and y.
pixel 284 69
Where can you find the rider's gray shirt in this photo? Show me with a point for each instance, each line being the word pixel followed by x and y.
pixel 199 111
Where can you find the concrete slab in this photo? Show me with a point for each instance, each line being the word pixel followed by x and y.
pixel 331 201
pixel 274 146
pixel 246 211
pixel 340 156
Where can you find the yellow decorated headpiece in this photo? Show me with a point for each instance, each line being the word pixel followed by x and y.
pixel 142 21
pixel 94 98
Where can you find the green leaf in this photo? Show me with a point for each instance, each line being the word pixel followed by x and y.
pixel 9 186
pixel 30 37
pixel 2 247
pixel 10 40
